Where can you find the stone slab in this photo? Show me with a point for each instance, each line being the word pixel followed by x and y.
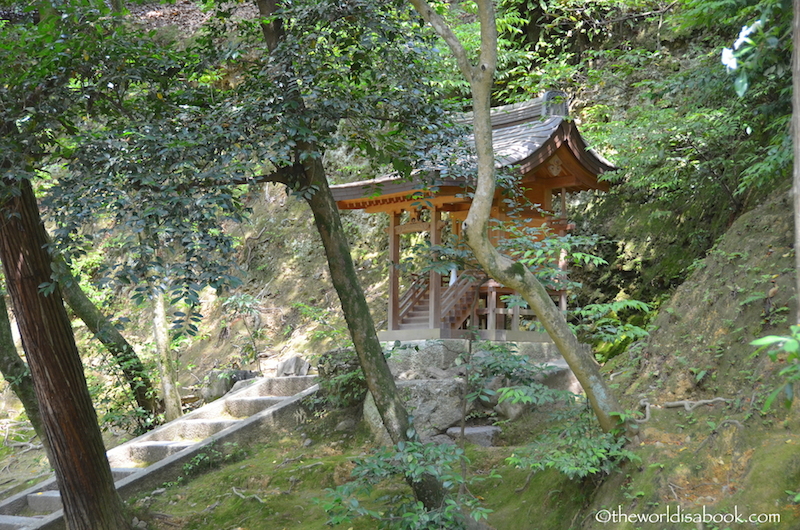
pixel 44 501
pixel 434 404
pixel 419 355
pixel 119 473
pixel 13 522
pixel 483 436
pixel 150 452
pixel 190 429
pixel 245 407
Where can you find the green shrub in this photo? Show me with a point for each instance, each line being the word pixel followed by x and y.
pixel 577 448
pixel 371 495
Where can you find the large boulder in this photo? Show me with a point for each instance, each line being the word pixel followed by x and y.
pixel 434 404
pixel 292 366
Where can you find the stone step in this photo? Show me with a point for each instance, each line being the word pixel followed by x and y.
pixel 190 429
pixel 247 406
pixel 44 501
pixel 14 522
pixel 152 452
pixel 286 386
pixel 119 473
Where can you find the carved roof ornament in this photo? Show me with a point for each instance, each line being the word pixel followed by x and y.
pixel 554 166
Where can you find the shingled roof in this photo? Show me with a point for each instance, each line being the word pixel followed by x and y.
pixel 526 135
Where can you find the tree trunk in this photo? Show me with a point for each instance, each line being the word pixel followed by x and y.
pixel 123 353
pixel 476 227
pixel 380 381
pixel 16 372
pixel 361 326
pixel 166 364
pixel 87 488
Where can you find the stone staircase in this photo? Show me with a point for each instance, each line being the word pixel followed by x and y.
pixel 242 416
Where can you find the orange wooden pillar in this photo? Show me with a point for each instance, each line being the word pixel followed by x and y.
pixel 435 285
pixel 394 273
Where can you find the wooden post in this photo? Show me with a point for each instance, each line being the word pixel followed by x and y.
pixel 394 274
pixel 562 262
pixel 491 307
pixel 515 318
pixel 435 308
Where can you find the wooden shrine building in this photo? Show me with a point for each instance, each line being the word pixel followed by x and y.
pixel 534 139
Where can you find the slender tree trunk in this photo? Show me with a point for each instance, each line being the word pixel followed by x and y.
pixel 166 362
pixel 16 372
pixel 362 328
pixel 123 353
pixel 87 488
pixel 476 227
pixel 796 140
pixel 379 378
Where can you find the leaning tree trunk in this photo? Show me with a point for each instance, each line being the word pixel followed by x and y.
pixel 84 477
pixel 517 277
pixel 123 353
pixel 16 372
pixel 362 328
pixel 476 227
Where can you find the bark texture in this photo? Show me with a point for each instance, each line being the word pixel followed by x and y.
pixel 87 488
pixel 122 351
pixel 16 372
pixel 476 227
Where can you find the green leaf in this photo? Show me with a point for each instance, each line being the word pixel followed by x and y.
pixel 768 340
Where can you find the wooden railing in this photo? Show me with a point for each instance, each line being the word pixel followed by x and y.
pixel 457 303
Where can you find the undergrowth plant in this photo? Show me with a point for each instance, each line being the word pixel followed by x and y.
pixel 577 447
pixel 341 380
pixel 611 327
pixel 113 398
pixel 788 347
pixel 212 457
pixel 380 493
pixel 326 330
pixel 517 374
pixel 246 306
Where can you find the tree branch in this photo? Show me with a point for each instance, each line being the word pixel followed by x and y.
pixel 441 28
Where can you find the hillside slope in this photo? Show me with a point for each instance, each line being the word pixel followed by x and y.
pixel 725 455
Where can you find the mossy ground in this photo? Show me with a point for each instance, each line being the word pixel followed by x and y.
pixel 282 484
